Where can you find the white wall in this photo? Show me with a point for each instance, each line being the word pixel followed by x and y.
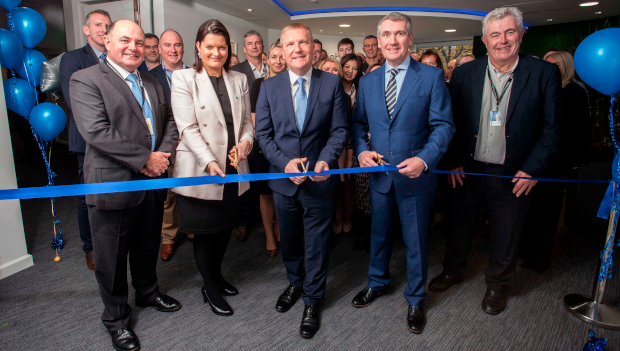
pixel 185 17
pixel 13 254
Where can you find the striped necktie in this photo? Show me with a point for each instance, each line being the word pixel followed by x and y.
pixel 390 92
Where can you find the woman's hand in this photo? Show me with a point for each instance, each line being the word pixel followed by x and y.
pixel 214 169
pixel 242 149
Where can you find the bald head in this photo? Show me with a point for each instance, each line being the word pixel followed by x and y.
pixel 125 44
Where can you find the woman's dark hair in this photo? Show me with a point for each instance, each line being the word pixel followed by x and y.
pixel 431 52
pixel 211 26
pixel 373 66
pixel 360 67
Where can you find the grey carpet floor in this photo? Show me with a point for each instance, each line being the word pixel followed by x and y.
pixel 56 306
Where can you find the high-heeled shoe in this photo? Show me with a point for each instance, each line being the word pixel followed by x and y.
pixel 272 253
pixel 223 310
pixel 226 289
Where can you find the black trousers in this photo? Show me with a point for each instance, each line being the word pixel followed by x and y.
pixel 506 214
pixel 83 223
pixel 132 232
pixel 306 225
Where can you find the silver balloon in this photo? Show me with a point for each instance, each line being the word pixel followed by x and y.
pixel 50 75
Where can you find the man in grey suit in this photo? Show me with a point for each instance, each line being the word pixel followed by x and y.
pixel 130 134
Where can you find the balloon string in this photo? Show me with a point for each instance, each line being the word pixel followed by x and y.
pixel 10 21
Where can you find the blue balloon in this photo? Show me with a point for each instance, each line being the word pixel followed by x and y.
pixel 29 25
pixel 11 49
pixel 48 120
pixel 19 95
pixel 9 5
pixel 597 61
pixel 30 68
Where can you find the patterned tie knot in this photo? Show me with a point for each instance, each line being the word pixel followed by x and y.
pixel 132 78
pixel 300 81
pixel 103 56
pixel 394 72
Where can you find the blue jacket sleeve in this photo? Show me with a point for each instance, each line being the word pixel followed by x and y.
pixel 359 125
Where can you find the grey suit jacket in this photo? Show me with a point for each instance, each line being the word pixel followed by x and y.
pixel 118 142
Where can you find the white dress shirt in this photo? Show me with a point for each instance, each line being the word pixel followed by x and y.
pixel 295 86
pixel 257 73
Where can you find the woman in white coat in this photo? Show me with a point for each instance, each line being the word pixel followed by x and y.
pixel 211 108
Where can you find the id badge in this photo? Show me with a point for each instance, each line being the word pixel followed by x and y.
pixel 495 118
pixel 149 125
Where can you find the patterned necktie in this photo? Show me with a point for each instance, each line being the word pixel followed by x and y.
pixel 102 57
pixel 301 100
pixel 390 92
pixel 146 108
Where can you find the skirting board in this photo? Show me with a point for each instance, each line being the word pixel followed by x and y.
pixel 17 265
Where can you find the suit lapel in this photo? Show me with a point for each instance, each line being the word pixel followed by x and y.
pixel 231 87
pixel 315 87
pixel 249 73
pixel 88 51
pixel 379 84
pixel 124 90
pixel 520 78
pixel 287 98
pixel 411 79
pixel 477 87
pixel 208 94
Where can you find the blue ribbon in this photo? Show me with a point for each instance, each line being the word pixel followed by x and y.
pixel 151 184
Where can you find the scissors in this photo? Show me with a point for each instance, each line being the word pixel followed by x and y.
pixel 305 168
pixel 380 161
pixel 236 161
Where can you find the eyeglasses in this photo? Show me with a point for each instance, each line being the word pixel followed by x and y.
pixel 450 68
pixel 154 47
pixel 369 45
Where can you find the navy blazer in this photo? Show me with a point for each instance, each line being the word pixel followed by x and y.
pixel 322 138
pixel 159 73
pixel 70 63
pixel 244 67
pixel 532 122
pixel 421 125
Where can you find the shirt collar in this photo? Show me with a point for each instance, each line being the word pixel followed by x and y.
pixel 496 72
pixel 403 66
pixel 294 77
pixel 97 51
pixel 167 70
pixel 123 72
pixel 254 67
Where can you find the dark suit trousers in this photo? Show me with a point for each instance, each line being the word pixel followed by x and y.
pixel 133 232
pixel 83 223
pixel 414 213
pixel 506 214
pixel 305 225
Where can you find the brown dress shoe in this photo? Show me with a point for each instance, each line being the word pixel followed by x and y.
pixel 167 250
pixel 242 233
pixel 90 261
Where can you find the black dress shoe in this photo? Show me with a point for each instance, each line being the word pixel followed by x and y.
pixel 288 298
pixel 366 297
pixel 226 288
pixel 162 303
pixel 493 302
pixel 218 305
pixel 415 319
pixel 310 323
pixel 444 281
pixel 125 340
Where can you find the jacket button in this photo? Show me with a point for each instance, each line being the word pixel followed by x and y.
pixel 301 138
pixel 207 143
pixel 391 131
pixel 475 136
pixel 204 124
pixel 202 107
pixel 222 144
pixel 471 155
pixel 391 154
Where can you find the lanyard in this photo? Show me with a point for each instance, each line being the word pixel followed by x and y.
pixel 139 81
pixel 506 85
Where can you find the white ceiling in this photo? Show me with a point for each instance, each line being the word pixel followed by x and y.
pixel 268 13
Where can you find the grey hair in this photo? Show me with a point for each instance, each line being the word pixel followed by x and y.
pixel 396 16
pixel 171 30
pixel 501 12
pixel 250 33
pixel 99 11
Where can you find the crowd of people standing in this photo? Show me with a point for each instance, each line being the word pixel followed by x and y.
pixel 139 113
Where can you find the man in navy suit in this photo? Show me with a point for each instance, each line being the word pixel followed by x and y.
pixel 406 108
pixel 301 117
pixel 91 54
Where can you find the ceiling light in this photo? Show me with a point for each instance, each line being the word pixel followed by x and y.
pixel 598 13
pixel 588 3
pixel 250 10
pixel 549 19
pixel 450 30
pixel 340 32
pixel 344 25
pixel 320 30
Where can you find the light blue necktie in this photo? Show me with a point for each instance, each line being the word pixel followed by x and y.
pixel 146 109
pixel 301 100
pixel 102 57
